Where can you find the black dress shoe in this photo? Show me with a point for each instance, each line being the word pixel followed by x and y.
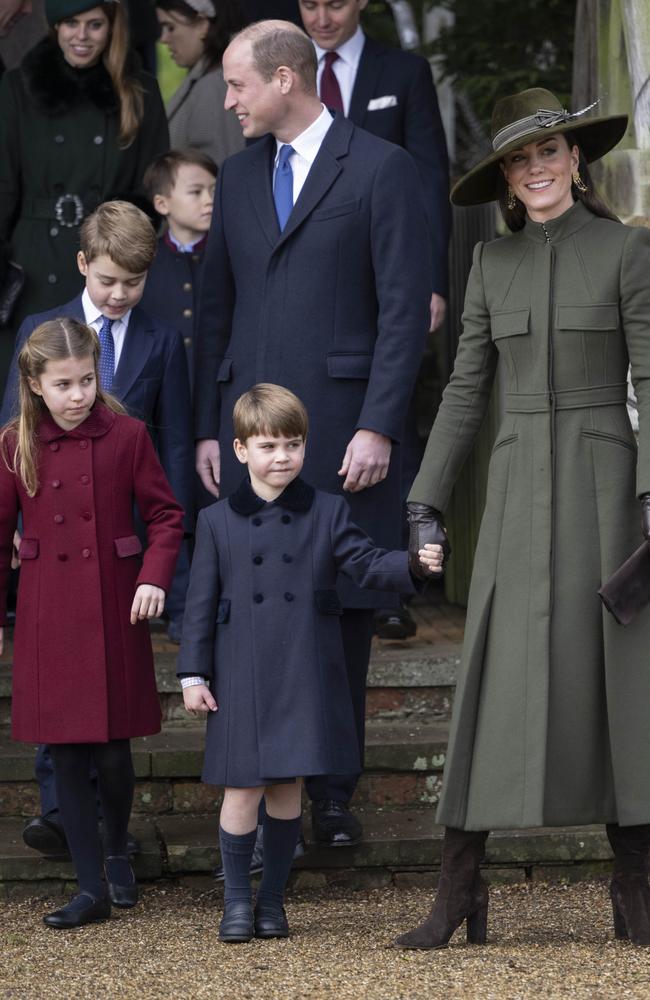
pixel 47 836
pixel 257 859
pixel 82 909
pixel 333 825
pixel 122 896
pixel 270 922
pixel 394 623
pixel 237 925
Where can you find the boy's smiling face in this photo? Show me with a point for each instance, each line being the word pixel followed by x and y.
pixel 112 290
pixel 273 462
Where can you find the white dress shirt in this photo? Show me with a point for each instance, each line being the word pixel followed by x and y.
pixel 345 67
pixel 306 146
pixel 94 318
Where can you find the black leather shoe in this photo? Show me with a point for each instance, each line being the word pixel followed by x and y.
pixel 237 925
pixel 47 836
pixel 82 909
pixel 394 623
pixel 270 922
pixel 257 859
pixel 122 896
pixel 333 825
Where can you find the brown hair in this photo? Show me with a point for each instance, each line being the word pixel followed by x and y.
pixel 122 232
pixel 281 43
pixel 160 176
pixel 228 20
pixel 54 340
pixel 269 409
pixel 515 218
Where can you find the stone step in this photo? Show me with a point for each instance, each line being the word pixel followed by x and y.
pixel 395 843
pixel 403 768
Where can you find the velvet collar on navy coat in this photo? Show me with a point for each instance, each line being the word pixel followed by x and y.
pixel 298 496
pixel 324 171
pixel 97 423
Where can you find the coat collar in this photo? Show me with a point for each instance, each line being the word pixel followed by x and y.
pixel 298 496
pixel 98 422
pixel 559 229
pixel 56 87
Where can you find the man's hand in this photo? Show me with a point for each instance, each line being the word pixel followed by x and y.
pixel 208 465
pixel 366 460
pixel 197 698
pixel 438 307
pixel 149 602
pixel 11 12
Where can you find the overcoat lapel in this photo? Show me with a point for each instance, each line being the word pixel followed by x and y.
pixel 260 187
pixel 138 345
pixel 365 80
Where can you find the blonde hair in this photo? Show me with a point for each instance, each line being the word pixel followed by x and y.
pixel 119 230
pixel 269 409
pixel 54 340
pixel 277 43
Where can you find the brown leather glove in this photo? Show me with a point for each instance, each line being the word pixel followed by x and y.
pixel 645 515
pixel 426 527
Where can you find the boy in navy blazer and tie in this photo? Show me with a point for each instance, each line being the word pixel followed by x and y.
pixel 144 364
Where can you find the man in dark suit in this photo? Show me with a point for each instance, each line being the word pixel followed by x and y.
pixel 317 277
pixel 390 93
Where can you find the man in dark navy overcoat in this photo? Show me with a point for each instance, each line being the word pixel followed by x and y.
pixel 327 295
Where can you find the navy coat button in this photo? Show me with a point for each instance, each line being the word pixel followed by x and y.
pixel 258 560
pixel 288 597
pixel 62 557
pixel 98 140
pixel 286 558
pixel 256 521
pixel 59 519
pixel 59 139
pixel 56 483
pixel 52 279
pixel 187 341
pixel 187 287
pixel 85 553
pixel 258 598
pixel 83 444
pixel 187 313
pixel 285 519
pixel 54 446
pixel 54 231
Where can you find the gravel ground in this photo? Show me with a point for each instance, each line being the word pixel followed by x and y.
pixel 548 941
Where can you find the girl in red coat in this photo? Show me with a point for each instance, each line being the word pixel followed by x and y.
pixel 73 465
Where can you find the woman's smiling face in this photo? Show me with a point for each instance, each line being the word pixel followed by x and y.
pixel 540 174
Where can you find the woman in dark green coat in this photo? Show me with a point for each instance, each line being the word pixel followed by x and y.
pixel 79 123
pixel 551 721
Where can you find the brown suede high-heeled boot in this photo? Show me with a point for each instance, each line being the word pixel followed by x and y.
pixel 462 894
pixel 629 889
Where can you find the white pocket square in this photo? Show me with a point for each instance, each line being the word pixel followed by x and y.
pixel 377 103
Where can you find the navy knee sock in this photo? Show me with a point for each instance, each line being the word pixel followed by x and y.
pixel 236 854
pixel 280 837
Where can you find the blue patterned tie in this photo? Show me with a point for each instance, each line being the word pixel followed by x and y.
pixel 106 354
pixel 283 186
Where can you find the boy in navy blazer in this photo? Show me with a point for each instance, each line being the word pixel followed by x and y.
pixel 144 364
pixel 262 649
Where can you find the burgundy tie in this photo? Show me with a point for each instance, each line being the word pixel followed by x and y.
pixel 330 92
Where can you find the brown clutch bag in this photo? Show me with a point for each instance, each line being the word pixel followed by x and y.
pixel 628 590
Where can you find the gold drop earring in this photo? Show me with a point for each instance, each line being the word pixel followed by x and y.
pixel 579 183
pixel 512 199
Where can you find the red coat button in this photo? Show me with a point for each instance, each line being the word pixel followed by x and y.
pixel 85 553
pixel 59 519
pixel 85 480
pixel 54 446
pixel 87 516
pixel 83 444
pixel 56 483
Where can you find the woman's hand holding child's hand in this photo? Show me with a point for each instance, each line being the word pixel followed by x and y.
pixel 432 557
pixel 149 602
pixel 198 698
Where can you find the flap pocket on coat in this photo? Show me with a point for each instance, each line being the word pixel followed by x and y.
pixel 333 211
pixel 509 324
pixel 223 611
pixel 327 602
pixel 349 365
pixel 225 370
pixel 591 317
pixel 28 548
pixel 130 545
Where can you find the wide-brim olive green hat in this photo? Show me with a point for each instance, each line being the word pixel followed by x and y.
pixel 58 10
pixel 527 117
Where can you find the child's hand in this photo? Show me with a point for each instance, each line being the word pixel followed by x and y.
pixel 197 698
pixel 15 558
pixel 148 602
pixel 431 557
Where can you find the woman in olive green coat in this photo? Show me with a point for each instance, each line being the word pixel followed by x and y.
pixel 551 721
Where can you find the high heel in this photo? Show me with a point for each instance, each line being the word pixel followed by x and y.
pixel 477 925
pixel 620 930
pixel 629 889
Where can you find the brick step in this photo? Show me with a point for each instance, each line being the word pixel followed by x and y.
pixel 395 843
pixel 403 768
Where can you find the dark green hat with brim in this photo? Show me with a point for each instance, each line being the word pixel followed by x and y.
pixel 59 10
pixel 528 117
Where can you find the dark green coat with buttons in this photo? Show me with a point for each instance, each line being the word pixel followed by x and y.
pixel 551 720
pixel 59 136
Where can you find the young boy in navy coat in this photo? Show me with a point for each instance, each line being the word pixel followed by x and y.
pixel 261 650
pixel 146 368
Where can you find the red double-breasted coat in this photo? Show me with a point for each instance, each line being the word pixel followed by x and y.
pixel 81 672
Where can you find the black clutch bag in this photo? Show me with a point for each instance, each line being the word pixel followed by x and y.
pixel 11 289
pixel 628 591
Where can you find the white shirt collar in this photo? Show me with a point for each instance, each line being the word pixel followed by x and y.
pixel 349 52
pixel 93 315
pixel 309 142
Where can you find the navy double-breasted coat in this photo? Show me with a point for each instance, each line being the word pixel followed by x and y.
pixel 81 672
pixel 262 622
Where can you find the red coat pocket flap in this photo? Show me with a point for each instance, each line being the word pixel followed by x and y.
pixel 128 546
pixel 28 548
